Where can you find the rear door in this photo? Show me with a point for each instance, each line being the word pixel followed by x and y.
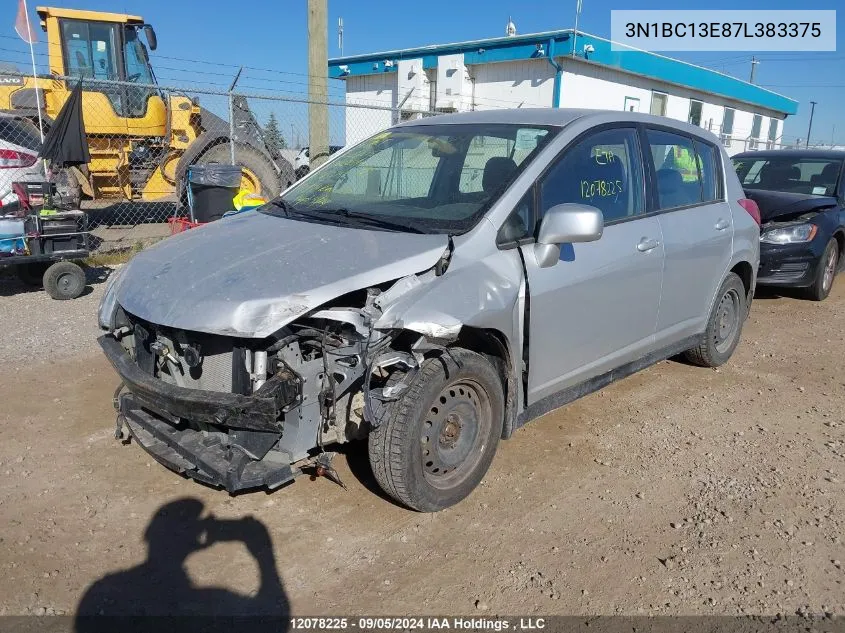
pixel 696 224
pixel 596 308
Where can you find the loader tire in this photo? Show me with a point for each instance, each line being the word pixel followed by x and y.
pixel 259 174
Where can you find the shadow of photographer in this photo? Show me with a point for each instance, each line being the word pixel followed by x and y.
pixel 160 586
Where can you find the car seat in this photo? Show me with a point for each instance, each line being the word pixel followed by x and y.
pixel 670 189
pixel 497 172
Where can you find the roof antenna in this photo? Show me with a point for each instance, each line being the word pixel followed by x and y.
pixel 510 29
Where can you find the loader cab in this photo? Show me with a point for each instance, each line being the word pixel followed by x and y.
pixel 104 47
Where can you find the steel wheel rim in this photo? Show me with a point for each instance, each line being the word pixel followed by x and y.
pixel 829 270
pixel 455 433
pixel 66 282
pixel 727 320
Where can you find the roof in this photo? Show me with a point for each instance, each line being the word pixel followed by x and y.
pixel 557 117
pixel 560 44
pixel 834 154
pixel 80 14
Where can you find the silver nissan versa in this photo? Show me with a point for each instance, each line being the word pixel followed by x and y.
pixel 432 289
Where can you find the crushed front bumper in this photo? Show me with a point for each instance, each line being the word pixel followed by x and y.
pixel 233 457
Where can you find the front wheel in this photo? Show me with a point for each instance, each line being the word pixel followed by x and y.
pixel 439 438
pixel 724 325
pixel 825 272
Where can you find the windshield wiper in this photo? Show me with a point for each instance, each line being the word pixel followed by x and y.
pixel 346 217
pixel 281 204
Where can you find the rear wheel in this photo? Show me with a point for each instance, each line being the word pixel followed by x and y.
pixel 259 175
pixel 825 272
pixel 439 438
pixel 64 280
pixel 724 326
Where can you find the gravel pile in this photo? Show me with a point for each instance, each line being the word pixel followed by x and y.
pixel 38 329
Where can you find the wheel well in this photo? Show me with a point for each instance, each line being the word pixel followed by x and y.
pixel 840 241
pixel 494 345
pixel 746 274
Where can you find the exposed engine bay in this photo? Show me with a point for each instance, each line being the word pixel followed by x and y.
pixel 329 375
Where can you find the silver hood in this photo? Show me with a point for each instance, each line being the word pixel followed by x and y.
pixel 251 274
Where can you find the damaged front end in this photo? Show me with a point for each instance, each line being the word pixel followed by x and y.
pixel 242 413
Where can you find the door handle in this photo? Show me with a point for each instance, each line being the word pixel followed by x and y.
pixel 647 245
pixel 721 225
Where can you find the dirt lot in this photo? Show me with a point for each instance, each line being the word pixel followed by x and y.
pixel 677 491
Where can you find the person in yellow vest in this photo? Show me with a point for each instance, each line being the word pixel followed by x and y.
pixel 682 159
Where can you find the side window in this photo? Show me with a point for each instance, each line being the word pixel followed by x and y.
pixel 678 180
pixel 710 176
pixel 603 170
pixel 520 223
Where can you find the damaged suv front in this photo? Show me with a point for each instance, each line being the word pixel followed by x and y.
pixel 248 345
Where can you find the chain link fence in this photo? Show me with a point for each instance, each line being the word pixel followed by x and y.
pixel 144 138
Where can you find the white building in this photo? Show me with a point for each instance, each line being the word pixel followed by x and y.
pixel 540 70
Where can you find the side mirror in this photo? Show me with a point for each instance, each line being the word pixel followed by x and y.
pixel 150 34
pixel 563 224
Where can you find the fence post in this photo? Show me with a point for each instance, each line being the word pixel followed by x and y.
pixel 232 115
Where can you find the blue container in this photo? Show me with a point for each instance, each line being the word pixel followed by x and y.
pixel 12 236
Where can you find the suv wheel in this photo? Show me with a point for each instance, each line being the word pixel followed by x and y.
pixel 439 438
pixel 724 325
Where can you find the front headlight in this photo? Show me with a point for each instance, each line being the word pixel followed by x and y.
pixel 108 304
pixel 790 234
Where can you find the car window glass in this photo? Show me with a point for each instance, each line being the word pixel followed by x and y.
pixel 706 155
pixel 20 132
pixel 394 173
pixel 482 148
pixel 602 170
pixel 520 223
pixel 676 167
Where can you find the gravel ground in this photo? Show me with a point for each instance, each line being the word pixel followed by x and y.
pixel 679 490
pixel 39 329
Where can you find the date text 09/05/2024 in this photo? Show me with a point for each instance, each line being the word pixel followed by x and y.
pixel 427 623
pixel 723 29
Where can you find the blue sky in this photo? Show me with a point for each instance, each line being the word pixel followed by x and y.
pixel 268 34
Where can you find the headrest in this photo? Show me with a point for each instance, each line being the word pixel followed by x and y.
pixel 497 171
pixel 669 180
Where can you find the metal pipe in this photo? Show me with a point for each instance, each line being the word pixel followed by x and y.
pixel 259 370
pixel 558 72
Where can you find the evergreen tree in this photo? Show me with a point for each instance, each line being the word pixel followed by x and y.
pixel 273 136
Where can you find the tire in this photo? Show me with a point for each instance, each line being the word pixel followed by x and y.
pixel 32 274
pixel 252 160
pixel 724 326
pixel 64 280
pixel 438 440
pixel 825 272
pixel 302 172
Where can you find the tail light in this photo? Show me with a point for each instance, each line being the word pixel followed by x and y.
pixel 10 158
pixel 752 208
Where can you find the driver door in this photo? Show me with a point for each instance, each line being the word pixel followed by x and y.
pixel 596 308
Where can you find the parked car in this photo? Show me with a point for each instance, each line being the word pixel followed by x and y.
pixel 302 162
pixel 19 162
pixel 393 295
pixel 801 196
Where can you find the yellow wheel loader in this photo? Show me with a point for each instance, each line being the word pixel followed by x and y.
pixel 141 138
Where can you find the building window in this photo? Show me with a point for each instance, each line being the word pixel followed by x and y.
pixel 773 133
pixel 658 103
pixel 756 124
pixel 694 112
pixel 727 127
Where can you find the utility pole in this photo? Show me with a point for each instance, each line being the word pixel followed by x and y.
pixel 754 62
pixel 810 128
pixel 318 68
pixel 340 35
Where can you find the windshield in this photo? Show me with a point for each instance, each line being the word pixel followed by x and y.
pixel 430 178
pixel 817 176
